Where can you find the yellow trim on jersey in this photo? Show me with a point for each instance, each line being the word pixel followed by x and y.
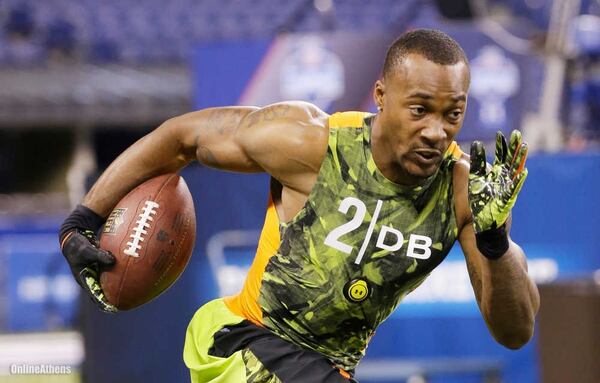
pixel 347 120
pixel 454 151
pixel 245 304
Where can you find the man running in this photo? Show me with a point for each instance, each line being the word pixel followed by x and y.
pixel 363 207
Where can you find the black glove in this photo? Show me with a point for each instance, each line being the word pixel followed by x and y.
pixel 81 249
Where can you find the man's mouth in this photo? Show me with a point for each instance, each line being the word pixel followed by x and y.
pixel 427 156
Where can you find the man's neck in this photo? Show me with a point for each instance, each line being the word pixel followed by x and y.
pixel 383 155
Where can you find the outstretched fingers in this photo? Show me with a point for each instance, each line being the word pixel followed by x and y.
pixel 515 188
pixel 501 149
pixel 478 164
pixel 513 147
pixel 518 164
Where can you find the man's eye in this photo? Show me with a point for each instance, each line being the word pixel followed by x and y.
pixel 455 114
pixel 417 110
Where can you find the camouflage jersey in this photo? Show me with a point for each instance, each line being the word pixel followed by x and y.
pixel 326 279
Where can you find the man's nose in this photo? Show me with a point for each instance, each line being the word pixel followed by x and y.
pixel 433 132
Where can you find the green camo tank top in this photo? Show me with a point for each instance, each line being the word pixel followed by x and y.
pixel 359 245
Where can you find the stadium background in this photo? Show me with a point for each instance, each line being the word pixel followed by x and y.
pixel 81 80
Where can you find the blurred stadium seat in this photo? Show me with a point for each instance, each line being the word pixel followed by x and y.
pixel 155 31
pixel 142 31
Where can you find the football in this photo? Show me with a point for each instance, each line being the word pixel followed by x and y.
pixel 151 233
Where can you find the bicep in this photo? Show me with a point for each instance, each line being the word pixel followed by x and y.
pixel 210 136
pixel 278 139
pixel 286 140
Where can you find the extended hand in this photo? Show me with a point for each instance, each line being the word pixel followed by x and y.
pixel 85 258
pixel 493 192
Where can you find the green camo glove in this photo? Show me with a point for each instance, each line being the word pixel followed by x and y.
pixel 493 191
pixel 81 249
pixel 92 283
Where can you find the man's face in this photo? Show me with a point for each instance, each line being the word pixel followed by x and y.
pixel 423 109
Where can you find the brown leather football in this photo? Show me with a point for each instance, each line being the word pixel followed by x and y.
pixel 151 233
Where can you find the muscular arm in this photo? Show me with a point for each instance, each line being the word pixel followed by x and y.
pixel 507 297
pixel 282 139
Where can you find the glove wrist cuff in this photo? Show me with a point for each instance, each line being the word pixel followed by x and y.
pixel 492 243
pixel 81 217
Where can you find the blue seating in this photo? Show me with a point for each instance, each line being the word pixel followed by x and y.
pixel 155 30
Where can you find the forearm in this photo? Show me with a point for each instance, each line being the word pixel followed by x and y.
pixel 159 152
pixel 509 298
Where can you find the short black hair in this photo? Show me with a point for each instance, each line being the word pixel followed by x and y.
pixel 432 44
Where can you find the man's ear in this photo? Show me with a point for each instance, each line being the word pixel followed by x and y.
pixel 378 93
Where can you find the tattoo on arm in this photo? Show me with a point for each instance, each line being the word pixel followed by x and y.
pixel 275 111
pixel 227 121
pixel 266 114
pixel 222 122
pixel 206 157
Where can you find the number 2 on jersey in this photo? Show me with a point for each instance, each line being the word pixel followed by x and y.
pixel 332 239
